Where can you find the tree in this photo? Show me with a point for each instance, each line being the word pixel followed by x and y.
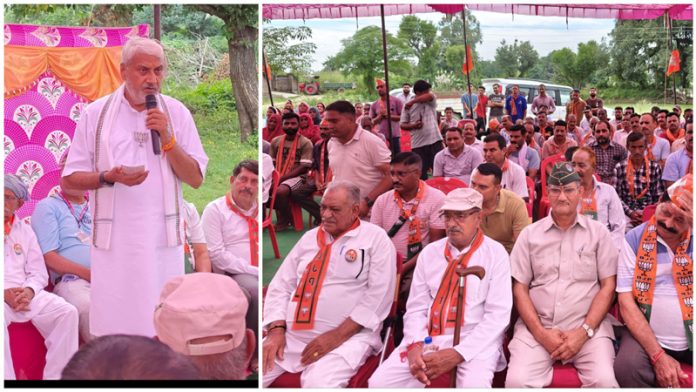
pixel 516 59
pixel 577 69
pixel 420 35
pixel 284 57
pixel 241 30
pixel 362 55
pixel 452 30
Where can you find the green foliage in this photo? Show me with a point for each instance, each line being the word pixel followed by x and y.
pixel 48 14
pixel 515 59
pixel 362 54
pixel 576 70
pixel 206 98
pixel 452 30
pixel 284 57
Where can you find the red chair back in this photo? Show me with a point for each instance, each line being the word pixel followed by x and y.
pixel 446 184
pixel 28 351
pixel 553 159
pixel 274 188
pixel 648 212
pixel 530 189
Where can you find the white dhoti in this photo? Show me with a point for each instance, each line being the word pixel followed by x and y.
pixel 57 322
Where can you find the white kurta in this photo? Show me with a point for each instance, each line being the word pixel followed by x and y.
pixel 362 290
pixel 128 277
pixel 227 235
pixel 55 319
pixel 487 306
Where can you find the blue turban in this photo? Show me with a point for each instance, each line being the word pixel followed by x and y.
pixel 17 186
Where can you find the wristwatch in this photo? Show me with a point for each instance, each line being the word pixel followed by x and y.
pixel 590 331
pixel 103 181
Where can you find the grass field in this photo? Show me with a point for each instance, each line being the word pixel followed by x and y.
pixel 220 137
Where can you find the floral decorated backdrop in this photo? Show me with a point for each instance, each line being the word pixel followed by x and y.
pixel 51 74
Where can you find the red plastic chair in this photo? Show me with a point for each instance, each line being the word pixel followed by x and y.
pixel 28 351
pixel 530 189
pixel 359 380
pixel 648 212
pixel 446 184
pixel 267 223
pixel 544 205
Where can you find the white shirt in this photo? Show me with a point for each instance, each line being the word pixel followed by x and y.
pixel 515 179
pixel 362 290
pixel 228 238
pixel 403 97
pixel 487 306
pixel 194 227
pixel 267 171
pixel 661 150
pixel 127 278
pixel 24 262
pixel 609 211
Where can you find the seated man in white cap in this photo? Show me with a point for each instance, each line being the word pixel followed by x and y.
pixel 25 298
pixel 325 306
pixel 202 315
pixel 431 308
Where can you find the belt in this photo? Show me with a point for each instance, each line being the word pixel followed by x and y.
pixel 67 278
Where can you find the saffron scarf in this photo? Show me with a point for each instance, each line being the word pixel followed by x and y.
pixel 588 206
pixel 308 290
pixel 285 166
pixel 631 172
pixel 443 313
pixel 415 237
pixel 323 177
pixel 645 274
pixel 253 226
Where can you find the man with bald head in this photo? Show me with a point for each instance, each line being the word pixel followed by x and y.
pixel 134 160
pixel 25 297
pixel 325 306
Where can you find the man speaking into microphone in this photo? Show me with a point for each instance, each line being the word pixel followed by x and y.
pixel 132 150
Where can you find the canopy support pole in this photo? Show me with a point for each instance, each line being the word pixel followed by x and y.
pixel 393 140
pixel 466 62
pixel 265 74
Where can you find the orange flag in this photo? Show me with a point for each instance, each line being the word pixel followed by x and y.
pixel 468 64
pixel 673 63
pixel 267 69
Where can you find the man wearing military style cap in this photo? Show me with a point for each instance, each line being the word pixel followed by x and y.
pixel 564 272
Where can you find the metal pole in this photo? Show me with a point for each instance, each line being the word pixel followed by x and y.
pixel 674 77
pixel 268 81
pixel 157 11
pixel 466 59
pixel 393 141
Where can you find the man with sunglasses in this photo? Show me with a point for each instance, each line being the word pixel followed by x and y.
pixel 564 272
pixel 432 304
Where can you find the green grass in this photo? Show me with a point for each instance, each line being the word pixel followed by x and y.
pixel 286 240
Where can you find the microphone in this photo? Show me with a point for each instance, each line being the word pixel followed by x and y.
pixel 151 103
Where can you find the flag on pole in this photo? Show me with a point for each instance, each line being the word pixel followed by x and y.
pixel 674 61
pixel 266 68
pixel 468 64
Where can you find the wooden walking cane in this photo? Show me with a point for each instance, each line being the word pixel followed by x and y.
pixel 480 272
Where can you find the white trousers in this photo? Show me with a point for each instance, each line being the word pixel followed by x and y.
pixel 392 373
pixel 76 292
pixel 330 371
pixel 57 322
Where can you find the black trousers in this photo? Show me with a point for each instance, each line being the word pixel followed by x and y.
pixel 427 154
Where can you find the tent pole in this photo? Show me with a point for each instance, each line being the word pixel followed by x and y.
pixel 268 81
pixel 393 141
pixel 671 46
pixel 466 60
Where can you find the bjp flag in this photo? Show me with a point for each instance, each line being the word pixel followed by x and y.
pixel 468 64
pixel 673 63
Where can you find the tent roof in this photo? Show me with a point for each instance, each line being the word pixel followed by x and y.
pixel 598 11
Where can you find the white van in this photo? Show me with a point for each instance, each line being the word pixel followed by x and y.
pixel 530 89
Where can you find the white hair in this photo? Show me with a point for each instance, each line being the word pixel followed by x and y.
pixel 147 46
pixel 352 191
pixel 229 365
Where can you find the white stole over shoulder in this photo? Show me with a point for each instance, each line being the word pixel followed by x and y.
pixel 104 197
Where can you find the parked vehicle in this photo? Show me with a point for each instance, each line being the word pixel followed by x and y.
pixel 314 87
pixel 530 89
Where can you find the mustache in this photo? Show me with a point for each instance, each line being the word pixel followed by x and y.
pixel 669 229
pixel 452 230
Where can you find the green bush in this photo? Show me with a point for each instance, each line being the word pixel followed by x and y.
pixel 207 97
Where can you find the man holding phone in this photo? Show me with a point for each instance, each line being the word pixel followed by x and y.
pixel 135 184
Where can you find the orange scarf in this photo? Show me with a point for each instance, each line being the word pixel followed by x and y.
pixel 415 238
pixel 287 165
pixel 651 156
pixel 630 175
pixel 8 225
pixel 513 106
pixel 506 165
pixel 670 137
pixel 253 226
pixel 308 290
pixel 588 206
pixel 444 309
pixel 645 274
pixel 323 179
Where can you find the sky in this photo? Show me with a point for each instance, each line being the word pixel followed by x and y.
pixel 545 33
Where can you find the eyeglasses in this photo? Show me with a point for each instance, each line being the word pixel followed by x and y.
pixel 456 216
pixel 568 191
pixel 404 173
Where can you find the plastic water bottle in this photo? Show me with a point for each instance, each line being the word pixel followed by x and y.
pixel 428 345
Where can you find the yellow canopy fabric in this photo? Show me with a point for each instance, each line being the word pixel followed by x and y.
pixel 90 72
